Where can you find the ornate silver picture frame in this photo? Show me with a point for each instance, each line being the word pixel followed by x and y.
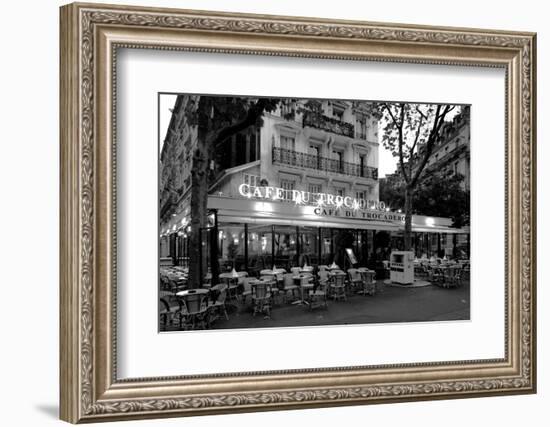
pixel 91 36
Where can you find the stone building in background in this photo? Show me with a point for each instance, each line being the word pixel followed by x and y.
pixel 451 154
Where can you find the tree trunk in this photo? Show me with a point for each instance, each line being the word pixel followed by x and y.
pixel 408 219
pixel 199 199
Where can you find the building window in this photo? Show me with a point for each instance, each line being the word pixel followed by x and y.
pixel 315 188
pixel 252 180
pixel 339 156
pixel 338 113
pixel 288 186
pixel 315 151
pixel 288 143
pixel 360 195
pixel 361 127
pixel 340 192
pixel 362 164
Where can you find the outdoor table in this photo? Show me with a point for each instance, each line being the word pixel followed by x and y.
pixel 267 272
pixel 175 279
pixel 232 279
pixel 198 291
pixel 277 273
pixel 192 291
pixel 232 275
pixel 298 280
pixel 256 281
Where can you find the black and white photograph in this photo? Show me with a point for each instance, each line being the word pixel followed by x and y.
pixel 289 212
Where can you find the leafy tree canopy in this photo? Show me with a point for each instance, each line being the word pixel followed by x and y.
pixel 408 129
pixel 435 196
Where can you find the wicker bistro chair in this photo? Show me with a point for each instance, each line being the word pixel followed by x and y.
pixel 275 291
pixel 194 311
pixel 435 275
pixel 462 273
pixel 318 296
pixel 289 286
pixel 165 284
pixel 338 286
pixel 419 269
pixel 448 278
pixel 322 276
pixel 261 298
pixel 305 282
pixel 368 282
pixel 247 288
pixel 218 308
pixel 167 312
pixel 452 276
pixel 354 278
pixel 459 275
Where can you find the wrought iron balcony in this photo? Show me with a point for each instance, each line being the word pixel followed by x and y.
pixel 311 161
pixel 328 124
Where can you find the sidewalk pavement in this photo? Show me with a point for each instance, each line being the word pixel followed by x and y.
pixel 392 304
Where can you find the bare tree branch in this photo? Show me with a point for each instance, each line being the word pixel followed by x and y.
pixel 422 116
pixel 401 143
pixel 391 114
pixel 421 113
pixel 434 133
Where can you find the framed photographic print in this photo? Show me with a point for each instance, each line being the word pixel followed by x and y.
pixel 267 212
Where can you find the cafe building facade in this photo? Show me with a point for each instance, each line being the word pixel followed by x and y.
pixel 299 190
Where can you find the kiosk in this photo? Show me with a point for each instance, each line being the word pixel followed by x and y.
pixel 401 267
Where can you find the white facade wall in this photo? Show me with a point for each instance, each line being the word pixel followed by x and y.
pixel 282 133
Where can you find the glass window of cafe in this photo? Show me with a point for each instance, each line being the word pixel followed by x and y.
pixel 260 247
pixel 286 239
pixel 309 244
pixel 450 245
pixel 231 247
pixel 254 247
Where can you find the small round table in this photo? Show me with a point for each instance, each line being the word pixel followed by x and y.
pixel 192 291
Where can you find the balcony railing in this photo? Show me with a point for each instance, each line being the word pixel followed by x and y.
pixel 311 161
pixel 328 124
